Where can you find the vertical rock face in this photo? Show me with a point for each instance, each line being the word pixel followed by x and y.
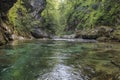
pixel 34 8
pixel 5 5
pixel 25 15
pixel 29 16
pixel 37 6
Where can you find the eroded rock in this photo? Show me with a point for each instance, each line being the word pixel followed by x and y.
pixel 39 33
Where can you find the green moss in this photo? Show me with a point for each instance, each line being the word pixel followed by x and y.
pixel 116 35
pixel 68 16
pixel 2 39
pixel 21 19
pixel 16 15
pixel 13 12
pixel 91 13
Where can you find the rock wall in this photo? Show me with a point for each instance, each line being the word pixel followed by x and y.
pixel 14 12
pixel 5 31
pixel 35 6
pixel 25 15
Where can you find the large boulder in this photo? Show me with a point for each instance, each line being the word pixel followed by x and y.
pixel 105 31
pixel 87 34
pixel 39 33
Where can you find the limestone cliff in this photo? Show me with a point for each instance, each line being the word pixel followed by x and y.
pixel 25 15
pixel 17 17
pixel 5 31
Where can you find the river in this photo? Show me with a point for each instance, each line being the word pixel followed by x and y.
pixel 59 60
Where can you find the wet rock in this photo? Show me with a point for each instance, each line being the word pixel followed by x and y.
pixel 38 33
pixel 68 36
pixel 16 37
pixel 35 7
pixel 2 39
pixel 8 35
pixel 5 5
pixel 116 61
pixel 89 70
pixel 103 39
pixel 102 33
pixel 116 35
pixel 87 34
pixel 105 31
pixel 101 75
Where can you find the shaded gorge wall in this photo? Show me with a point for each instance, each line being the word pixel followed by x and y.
pixel 18 18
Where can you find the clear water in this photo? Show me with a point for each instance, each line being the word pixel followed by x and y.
pixel 59 60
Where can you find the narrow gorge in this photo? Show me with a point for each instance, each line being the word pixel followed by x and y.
pixel 19 19
pixel 22 19
pixel 59 39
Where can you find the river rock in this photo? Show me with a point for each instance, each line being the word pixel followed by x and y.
pixel 104 31
pixel 101 32
pixel 103 39
pixel 39 33
pixel 68 36
pixel 16 37
pixel 87 34
pixel 116 60
pixel 116 35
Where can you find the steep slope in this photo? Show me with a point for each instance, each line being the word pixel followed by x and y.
pixel 5 31
pixel 18 18
pixel 95 17
pixel 92 13
pixel 25 16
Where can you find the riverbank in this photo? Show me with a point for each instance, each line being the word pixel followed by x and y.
pixel 99 34
pixel 102 34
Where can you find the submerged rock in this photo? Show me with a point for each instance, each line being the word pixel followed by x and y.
pixel 16 37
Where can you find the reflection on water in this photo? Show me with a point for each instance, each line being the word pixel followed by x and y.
pixel 61 72
pixel 60 60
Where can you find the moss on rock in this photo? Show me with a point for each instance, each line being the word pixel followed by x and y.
pixel 2 38
pixel 116 35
